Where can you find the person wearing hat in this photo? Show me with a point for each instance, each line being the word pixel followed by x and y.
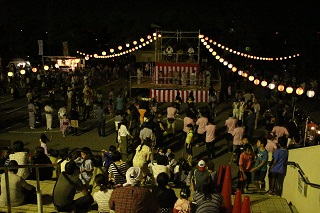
pixel 132 197
pixel 199 176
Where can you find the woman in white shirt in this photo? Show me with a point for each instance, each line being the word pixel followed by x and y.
pixel 122 135
pixel 102 196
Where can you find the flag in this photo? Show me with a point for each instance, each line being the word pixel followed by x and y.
pixel 65 48
pixel 40 45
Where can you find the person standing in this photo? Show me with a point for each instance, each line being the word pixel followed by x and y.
pixel 210 138
pixel 48 110
pixel 61 112
pixel 256 107
pixel 202 122
pixel 178 102
pixel 120 103
pixel 69 95
pixel 87 100
pixel 189 143
pixel 237 134
pixel 37 112
pixel 100 120
pixel 171 113
pixel 123 133
pixel 260 166
pixel 230 124
pixel 32 117
pixel 74 117
pixel 278 168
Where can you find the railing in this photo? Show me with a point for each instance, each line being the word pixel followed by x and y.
pixel 39 195
pixel 36 166
pixel 303 176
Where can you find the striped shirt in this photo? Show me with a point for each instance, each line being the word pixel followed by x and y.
pixel 212 205
pixel 119 178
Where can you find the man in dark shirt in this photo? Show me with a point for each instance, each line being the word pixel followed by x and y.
pixel 65 189
pixel 100 120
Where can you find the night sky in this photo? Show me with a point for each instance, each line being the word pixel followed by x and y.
pixel 270 29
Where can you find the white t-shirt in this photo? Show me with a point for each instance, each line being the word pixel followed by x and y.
pixel 102 199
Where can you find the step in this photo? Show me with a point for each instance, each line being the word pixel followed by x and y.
pixel 260 202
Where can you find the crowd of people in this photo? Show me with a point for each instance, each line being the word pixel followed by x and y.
pixel 141 132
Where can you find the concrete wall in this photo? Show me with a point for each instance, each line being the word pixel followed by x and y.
pixel 305 198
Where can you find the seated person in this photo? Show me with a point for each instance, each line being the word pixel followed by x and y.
pixel 20 191
pixel 45 173
pixel 65 189
pixel 159 167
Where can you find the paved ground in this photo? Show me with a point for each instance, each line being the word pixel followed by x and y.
pixel 89 137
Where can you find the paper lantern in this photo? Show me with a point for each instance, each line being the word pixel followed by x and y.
pixel 141 40
pixel 310 93
pixel 221 60
pixel 46 67
pixel 225 63
pixel 119 47
pixel 280 87
pixel 94 55
pixel 289 90
pixel 34 69
pixel 251 78
pixel 272 86
pixel 230 66
pixel 240 72
pixel 86 57
pixel 56 66
pixel 22 72
pixel 135 42
pixel 214 53
pixel 127 45
pixel 234 69
pixel 104 53
pixel 244 74
pixel 264 83
pixel 256 81
pixel 112 50
pixel 299 91
pixel 10 74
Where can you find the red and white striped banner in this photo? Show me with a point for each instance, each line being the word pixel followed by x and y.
pixel 164 95
pixel 163 72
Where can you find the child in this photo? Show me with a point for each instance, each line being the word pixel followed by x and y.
pixel 189 141
pixel 172 163
pixel 4 158
pixel 65 123
pixel 102 196
pixel 260 166
pixel 183 204
pixel 43 142
pixel 245 163
pixel 238 151
pixel 86 166
pixel 107 156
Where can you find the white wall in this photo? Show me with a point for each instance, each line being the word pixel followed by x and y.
pixel 309 160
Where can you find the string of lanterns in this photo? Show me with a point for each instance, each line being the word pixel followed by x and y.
pixel 143 42
pixel 206 41
pixel 272 85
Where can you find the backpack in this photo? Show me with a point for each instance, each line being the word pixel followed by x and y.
pixel 198 178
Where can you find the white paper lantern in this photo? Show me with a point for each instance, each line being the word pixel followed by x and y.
pixel 272 86
pixel 310 93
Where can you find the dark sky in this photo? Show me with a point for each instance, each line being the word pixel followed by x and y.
pixel 234 23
